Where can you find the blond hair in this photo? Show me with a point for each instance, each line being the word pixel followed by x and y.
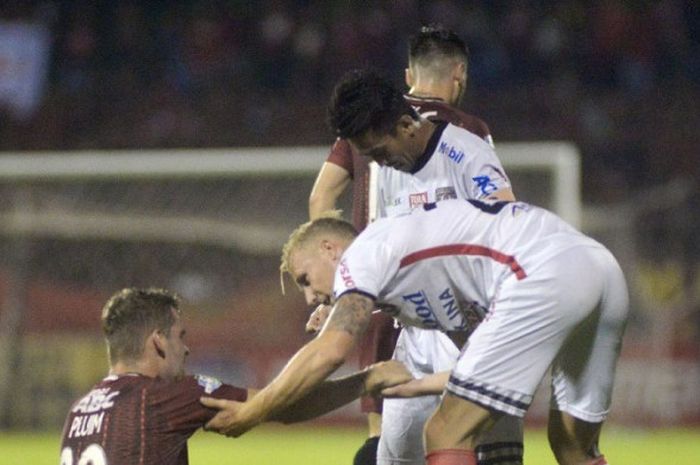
pixel 329 222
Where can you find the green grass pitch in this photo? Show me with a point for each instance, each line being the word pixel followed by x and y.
pixel 318 445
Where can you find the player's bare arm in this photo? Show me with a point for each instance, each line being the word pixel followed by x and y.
pixel 331 394
pixel 429 385
pixel 311 365
pixel 503 194
pixel 331 182
pixel 351 314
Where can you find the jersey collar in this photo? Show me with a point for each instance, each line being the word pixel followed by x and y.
pixel 430 148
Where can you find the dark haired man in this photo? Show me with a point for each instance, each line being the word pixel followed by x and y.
pixel 144 411
pixel 437 77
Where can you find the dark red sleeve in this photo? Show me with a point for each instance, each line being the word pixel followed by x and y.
pixel 177 403
pixel 341 155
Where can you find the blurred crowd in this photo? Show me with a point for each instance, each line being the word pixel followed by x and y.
pixel 619 78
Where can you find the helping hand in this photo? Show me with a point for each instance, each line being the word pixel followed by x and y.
pixel 318 318
pixel 433 384
pixel 230 420
pixel 386 374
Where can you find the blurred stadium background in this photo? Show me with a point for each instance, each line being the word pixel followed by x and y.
pixel 174 143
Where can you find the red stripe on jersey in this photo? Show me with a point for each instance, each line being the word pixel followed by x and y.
pixel 464 249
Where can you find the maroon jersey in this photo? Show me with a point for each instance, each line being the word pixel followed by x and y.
pixel 381 335
pixel 341 153
pixel 137 420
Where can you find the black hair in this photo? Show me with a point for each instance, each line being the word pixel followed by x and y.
pixel 434 41
pixel 365 100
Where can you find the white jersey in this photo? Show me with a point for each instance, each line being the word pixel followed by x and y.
pixel 440 266
pixel 456 164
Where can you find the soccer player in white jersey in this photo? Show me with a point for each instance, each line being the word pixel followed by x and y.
pixel 433 161
pixel 469 168
pixel 552 297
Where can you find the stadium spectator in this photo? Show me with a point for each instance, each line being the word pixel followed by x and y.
pixel 551 296
pixel 147 407
pixel 436 76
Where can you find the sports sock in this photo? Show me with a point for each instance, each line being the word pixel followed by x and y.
pixel 451 457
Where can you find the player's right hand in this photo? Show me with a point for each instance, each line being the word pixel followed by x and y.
pixel 318 318
pixel 383 375
pixel 433 384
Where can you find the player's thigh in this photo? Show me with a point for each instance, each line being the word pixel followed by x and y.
pixel 583 373
pixel 457 423
pixel 403 421
pixel 525 329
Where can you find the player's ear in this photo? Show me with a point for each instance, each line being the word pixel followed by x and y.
pixel 157 339
pixel 407 124
pixel 330 249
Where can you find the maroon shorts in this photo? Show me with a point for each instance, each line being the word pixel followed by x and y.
pixel 377 346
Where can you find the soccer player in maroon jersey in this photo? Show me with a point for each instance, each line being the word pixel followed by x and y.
pixel 437 79
pixel 145 410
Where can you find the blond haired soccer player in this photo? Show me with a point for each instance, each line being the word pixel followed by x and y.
pixel 550 298
pixel 146 408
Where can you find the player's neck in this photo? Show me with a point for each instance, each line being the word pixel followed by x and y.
pixel 141 367
pixel 432 90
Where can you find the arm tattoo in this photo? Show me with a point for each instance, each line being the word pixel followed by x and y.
pixel 351 314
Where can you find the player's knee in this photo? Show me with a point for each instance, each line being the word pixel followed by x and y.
pixel 367 454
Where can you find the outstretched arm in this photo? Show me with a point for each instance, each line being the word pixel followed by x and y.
pixel 429 385
pixel 307 369
pixel 331 182
pixel 331 394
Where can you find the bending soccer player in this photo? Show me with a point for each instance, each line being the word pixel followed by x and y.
pixel 437 76
pixel 552 297
pixel 146 408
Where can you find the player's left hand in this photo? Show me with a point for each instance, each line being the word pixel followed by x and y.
pixel 383 375
pixel 231 419
pixel 318 318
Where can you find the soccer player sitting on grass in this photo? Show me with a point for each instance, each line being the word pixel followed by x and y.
pixel 144 411
pixel 549 297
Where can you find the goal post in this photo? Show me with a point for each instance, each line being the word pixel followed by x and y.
pixel 208 224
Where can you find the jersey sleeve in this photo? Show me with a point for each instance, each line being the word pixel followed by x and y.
pixel 177 402
pixel 484 174
pixel 365 267
pixel 341 155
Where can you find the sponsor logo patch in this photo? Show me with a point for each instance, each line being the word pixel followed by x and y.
pixel 455 155
pixel 484 184
pixel 208 383
pixel 444 193
pixel 416 200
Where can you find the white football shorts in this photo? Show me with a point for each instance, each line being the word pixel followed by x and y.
pixel 570 313
pixel 401 442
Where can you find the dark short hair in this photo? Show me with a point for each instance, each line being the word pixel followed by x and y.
pixel 131 314
pixel 365 100
pixel 435 41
